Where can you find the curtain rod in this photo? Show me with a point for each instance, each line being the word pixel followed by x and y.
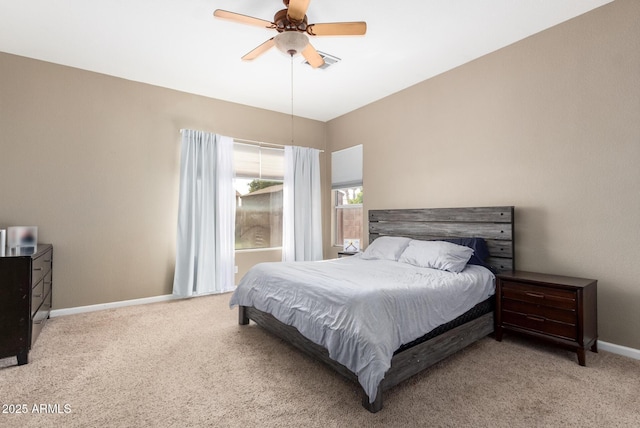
pixel 251 142
pixel 255 143
pixel 260 143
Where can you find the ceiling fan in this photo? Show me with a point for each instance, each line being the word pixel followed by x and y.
pixel 292 27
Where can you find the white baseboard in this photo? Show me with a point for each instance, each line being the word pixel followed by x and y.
pixel 605 346
pixel 620 350
pixel 111 305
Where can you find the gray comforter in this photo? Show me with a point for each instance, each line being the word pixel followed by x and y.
pixel 360 310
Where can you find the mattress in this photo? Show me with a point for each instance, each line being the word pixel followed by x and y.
pixel 477 311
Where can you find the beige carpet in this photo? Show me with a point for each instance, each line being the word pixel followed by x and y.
pixel 188 363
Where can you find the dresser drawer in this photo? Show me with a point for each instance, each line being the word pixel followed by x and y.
pixel 37 296
pixel 47 283
pixel 539 295
pixel 42 314
pixel 40 267
pixel 37 271
pixel 540 324
pixel 40 318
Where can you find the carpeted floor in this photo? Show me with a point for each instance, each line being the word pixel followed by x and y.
pixel 187 363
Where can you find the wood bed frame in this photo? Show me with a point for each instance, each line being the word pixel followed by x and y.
pixel 494 224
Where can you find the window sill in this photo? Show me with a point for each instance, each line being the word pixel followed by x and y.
pixel 257 250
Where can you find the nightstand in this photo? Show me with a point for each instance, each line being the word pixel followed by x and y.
pixel 342 254
pixel 560 309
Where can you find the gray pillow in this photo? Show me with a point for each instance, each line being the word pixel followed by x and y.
pixel 386 248
pixel 436 255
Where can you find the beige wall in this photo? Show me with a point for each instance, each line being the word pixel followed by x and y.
pixel 94 162
pixel 550 125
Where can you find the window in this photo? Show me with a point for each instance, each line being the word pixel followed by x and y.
pixel 347 214
pixel 259 173
pixel 347 194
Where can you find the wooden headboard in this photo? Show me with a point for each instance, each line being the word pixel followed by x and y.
pixel 494 224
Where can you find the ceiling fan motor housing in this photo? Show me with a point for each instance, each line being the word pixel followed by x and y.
pixel 284 23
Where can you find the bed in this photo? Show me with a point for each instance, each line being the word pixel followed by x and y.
pixel 403 340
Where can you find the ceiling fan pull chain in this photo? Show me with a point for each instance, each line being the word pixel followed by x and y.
pixel 291 99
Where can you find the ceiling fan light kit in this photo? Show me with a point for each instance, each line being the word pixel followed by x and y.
pixel 291 42
pixel 293 31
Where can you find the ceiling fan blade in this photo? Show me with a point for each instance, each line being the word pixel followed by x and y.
pixel 338 29
pixel 312 56
pixel 297 9
pixel 260 50
pixel 243 19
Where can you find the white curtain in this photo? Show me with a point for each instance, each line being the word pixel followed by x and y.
pixel 301 217
pixel 206 216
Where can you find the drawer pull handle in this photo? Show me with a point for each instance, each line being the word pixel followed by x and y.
pixel 37 268
pixel 37 295
pixel 535 318
pixel 536 295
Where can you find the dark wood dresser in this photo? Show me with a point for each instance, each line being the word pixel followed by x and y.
pixel 556 308
pixel 25 300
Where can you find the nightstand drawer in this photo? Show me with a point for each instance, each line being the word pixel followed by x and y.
pixel 540 324
pixel 568 316
pixel 539 295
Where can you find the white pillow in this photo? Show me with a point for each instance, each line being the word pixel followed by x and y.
pixel 437 255
pixel 386 248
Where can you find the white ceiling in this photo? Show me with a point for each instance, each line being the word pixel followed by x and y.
pixel 178 44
